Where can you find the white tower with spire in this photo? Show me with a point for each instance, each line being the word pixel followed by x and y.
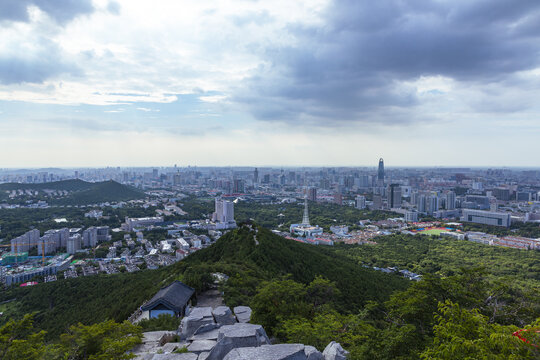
pixel 305 218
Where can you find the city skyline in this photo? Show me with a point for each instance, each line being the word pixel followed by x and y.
pixel 237 83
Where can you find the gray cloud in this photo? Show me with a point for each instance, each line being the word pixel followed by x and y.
pixel 347 69
pixel 62 11
pixel 36 67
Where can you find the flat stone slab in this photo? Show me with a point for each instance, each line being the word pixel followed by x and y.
pixel 203 356
pixel 209 335
pixel 201 312
pixel 269 352
pixel 243 313
pixel 199 346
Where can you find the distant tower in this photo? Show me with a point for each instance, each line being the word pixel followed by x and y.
pixel 305 219
pixel 256 176
pixel 380 173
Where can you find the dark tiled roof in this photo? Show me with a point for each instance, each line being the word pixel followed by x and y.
pixel 174 296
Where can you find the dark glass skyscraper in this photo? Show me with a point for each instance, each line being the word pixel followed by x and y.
pixel 380 174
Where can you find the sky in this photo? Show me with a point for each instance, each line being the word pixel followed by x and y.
pixel 282 83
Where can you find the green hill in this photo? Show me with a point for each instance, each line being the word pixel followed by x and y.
pixel 271 257
pixel 106 191
pixel 68 185
pixel 79 192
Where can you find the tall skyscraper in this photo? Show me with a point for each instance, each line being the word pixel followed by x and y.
pixel 256 176
pixel 394 196
pixel 312 194
pixel 380 173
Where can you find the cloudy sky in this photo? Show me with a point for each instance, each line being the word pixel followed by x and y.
pixel 247 82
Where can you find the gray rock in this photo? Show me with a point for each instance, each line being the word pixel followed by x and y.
pixel 185 356
pixel 147 356
pixel 198 317
pixel 203 356
pixel 312 353
pixel 170 347
pixel 206 328
pixel 208 335
pixel 237 336
pixel 243 313
pixel 200 346
pixel 334 351
pixel 223 315
pixel 269 352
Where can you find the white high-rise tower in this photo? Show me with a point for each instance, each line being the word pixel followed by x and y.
pixel 305 218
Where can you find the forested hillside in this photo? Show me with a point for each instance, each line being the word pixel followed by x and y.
pixel 313 295
pixel 250 256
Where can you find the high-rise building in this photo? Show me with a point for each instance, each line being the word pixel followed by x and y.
pixel 432 204
pixel 256 176
pixel 238 186
pixel 394 196
pixel 377 202
pixel 312 194
pixel 421 203
pixel 360 202
pixel 74 244
pixel 380 173
pixel 224 211
pixel 338 198
pixel 90 237
pixel 450 200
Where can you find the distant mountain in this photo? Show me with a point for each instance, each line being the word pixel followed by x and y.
pixel 79 192
pixel 68 185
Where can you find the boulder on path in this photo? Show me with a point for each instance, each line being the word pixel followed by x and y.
pixel 312 353
pixel 243 313
pixel 237 336
pixel 223 315
pixel 198 317
pixel 334 351
pixel 269 352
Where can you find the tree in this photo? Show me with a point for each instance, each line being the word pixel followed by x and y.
pixel 18 341
pixel 466 334
pixel 279 300
pixel 102 341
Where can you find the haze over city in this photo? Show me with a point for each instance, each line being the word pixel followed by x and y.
pixel 137 83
